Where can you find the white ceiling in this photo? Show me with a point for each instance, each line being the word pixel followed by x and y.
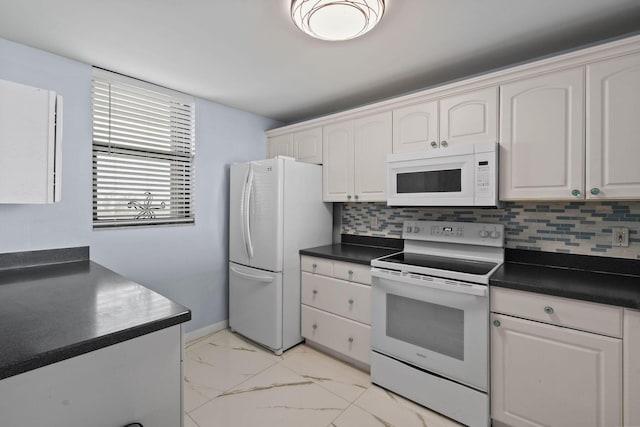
pixel 249 55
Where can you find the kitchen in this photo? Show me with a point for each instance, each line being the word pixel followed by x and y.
pixel 160 258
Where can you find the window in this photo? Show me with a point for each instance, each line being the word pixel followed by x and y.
pixel 143 150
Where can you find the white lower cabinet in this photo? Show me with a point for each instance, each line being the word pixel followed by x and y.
pixel 543 374
pixel 631 368
pixel 336 306
pixel 139 380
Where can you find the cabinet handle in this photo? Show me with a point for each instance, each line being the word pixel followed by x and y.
pixel 595 191
pixel 348 196
pixel 496 323
pixel 315 292
pixel 314 326
pixel 575 193
pixel 350 302
pixel 548 310
pixel 350 273
pixel 350 340
pixel 444 144
pixel 314 266
pixel 356 197
pixel 434 144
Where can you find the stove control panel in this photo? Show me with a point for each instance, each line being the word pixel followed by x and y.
pixel 472 233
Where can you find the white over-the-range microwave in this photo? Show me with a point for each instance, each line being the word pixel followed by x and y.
pixel 463 175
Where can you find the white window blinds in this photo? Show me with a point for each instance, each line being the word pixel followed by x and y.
pixel 143 150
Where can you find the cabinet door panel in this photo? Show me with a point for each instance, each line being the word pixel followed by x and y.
pixel 308 145
pixel 281 146
pixel 372 144
pixel 337 171
pixel 542 136
pixel 545 375
pixel 470 117
pixel 613 113
pixel 631 367
pixel 415 127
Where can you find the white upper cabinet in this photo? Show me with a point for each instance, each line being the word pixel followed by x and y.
pixel 281 145
pixel 613 118
pixel 30 144
pixel 337 170
pixel 468 117
pixel 372 144
pixel 415 128
pixel 308 145
pixel 305 146
pixel 355 159
pixel 542 137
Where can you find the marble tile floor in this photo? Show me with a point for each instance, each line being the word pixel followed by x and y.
pixel 230 382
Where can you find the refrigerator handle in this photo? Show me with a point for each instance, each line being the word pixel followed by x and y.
pixel 243 212
pixel 254 277
pixel 247 216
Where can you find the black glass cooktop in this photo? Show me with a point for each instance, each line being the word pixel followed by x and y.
pixel 441 263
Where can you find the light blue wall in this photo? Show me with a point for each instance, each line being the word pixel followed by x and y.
pixel 185 263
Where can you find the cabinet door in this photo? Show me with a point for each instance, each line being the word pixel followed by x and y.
pixel 613 115
pixel 337 170
pixel 281 146
pixel 631 367
pixel 372 144
pixel 415 128
pixel 30 144
pixel 470 117
pixel 542 137
pixel 545 375
pixel 308 145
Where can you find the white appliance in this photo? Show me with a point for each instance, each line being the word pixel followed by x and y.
pixel 462 175
pixel 275 209
pixel 430 317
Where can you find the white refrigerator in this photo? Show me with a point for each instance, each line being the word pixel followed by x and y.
pixel 275 209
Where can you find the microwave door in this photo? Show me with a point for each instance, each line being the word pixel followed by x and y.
pixel 439 182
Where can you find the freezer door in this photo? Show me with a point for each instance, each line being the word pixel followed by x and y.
pixel 238 249
pixel 264 231
pixel 255 305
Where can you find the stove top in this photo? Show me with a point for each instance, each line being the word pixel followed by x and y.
pixel 440 263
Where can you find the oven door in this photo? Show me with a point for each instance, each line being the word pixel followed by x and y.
pixel 435 324
pixel 418 180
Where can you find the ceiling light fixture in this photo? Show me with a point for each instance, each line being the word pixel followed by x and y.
pixel 336 20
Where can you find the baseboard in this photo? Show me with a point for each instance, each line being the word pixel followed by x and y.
pixel 203 332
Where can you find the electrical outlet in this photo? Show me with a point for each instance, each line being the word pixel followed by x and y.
pixel 373 223
pixel 620 236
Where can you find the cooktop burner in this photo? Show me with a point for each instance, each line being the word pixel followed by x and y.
pixel 441 263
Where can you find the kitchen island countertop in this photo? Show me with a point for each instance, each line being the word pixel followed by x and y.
pixel 57 304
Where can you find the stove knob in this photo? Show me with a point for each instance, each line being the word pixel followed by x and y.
pixel 416 229
pixel 494 234
pixel 484 233
pixel 409 229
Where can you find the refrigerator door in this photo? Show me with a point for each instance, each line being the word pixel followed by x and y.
pixel 255 305
pixel 264 231
pixel 238 249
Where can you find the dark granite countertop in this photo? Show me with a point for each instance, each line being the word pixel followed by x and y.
pixel 50 312
pixel 357 249
pixel 603 280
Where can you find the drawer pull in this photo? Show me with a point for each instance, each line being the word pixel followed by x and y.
pixel 496 323
pixel 350 302
pixel 314 326
pixel 350 273
pixel 315 292
pixel 314 265
pixel 350 339
pixel 548 310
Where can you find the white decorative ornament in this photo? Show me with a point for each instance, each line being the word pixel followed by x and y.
pixel 336 20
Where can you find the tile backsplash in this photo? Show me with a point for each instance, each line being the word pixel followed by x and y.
pixel 569 227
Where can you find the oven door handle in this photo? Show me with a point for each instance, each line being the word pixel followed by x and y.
pixel 439 284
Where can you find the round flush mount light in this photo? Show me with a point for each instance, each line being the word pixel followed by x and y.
pixel 336 20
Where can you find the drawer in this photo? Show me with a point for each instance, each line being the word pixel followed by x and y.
pixel 586 316
pixel 345 336
pixel 352 272
pixel 351 300
pixel 316 265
